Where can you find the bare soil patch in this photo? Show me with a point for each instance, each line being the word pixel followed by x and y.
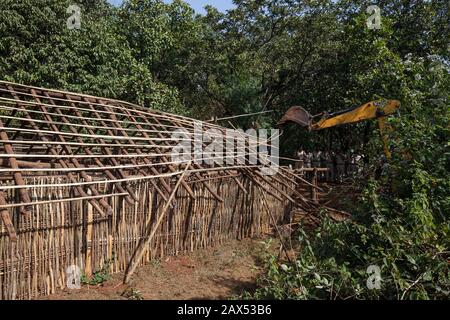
pixel 212 273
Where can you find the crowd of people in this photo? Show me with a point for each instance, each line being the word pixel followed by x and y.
pixel 339 165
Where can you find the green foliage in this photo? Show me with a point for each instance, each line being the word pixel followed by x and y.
pixel 99 276
pixel 333 265
pixel 99 59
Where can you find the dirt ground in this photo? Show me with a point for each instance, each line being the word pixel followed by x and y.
pixel 221 272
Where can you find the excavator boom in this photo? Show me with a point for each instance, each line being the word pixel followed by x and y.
pixel 371 110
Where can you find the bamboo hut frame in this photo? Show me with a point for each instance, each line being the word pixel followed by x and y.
pixel 83 179
pixel 45 115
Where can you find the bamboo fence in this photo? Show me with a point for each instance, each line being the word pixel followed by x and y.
pixel 82 179
pixel 62 234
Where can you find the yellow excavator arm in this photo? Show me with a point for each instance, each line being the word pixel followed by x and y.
pixel 371 110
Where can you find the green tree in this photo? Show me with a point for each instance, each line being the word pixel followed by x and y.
pixel 38 48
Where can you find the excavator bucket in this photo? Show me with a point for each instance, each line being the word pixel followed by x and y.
pixel 298 115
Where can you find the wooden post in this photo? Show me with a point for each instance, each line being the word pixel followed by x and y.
pixel 6 218
pixel 314 187
pixel 89 226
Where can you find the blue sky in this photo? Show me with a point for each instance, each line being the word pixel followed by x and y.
pixel 221 5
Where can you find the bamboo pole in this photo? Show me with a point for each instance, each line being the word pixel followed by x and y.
pixel 140 251
pixel 61 200
pixel 89 239
pixel 304 180
pixel 25 164
pixel 241 115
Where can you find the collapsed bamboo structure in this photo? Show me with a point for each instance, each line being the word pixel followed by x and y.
pixel 83 178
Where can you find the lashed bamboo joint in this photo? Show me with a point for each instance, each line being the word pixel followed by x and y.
pixel 83 179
